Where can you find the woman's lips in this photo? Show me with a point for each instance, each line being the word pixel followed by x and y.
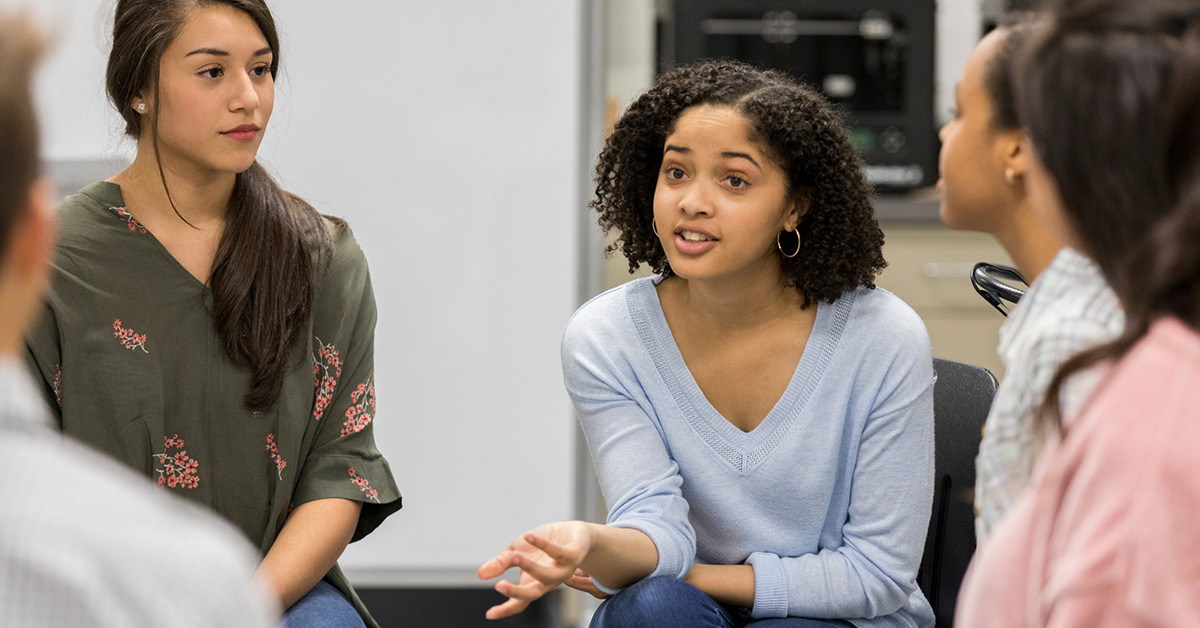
pixel 693 242
pixel 243 133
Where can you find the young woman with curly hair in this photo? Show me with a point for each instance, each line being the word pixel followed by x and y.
pixel 759 415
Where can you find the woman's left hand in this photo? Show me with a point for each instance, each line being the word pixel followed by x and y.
pixel 547 556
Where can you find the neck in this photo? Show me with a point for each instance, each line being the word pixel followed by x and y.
pixel 1031 245
pixel 201 197
pixel 738 303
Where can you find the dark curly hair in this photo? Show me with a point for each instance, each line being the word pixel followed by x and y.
pixel 796 127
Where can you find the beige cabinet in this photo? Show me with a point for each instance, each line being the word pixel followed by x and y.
pixel 929 266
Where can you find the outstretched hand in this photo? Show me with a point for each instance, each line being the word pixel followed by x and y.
pixel 547 556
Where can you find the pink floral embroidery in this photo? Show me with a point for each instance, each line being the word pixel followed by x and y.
pixel 280 463
pixel 134 225
pixel 57 385
pixel 359 414
pixel 364 486
pixel 327 368
pixel 129 339
pixel 178 469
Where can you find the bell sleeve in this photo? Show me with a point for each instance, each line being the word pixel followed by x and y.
pixel 344 461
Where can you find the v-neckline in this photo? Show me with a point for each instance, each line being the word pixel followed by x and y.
pixel 742 450
pixel 119 199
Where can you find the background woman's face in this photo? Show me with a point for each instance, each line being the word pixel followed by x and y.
pixel 720 200
pixel 972 161
pixel 216 93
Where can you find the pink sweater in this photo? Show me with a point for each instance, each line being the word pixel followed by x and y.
pixel 1108 534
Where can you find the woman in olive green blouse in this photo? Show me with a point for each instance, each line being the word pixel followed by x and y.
pixel 206 327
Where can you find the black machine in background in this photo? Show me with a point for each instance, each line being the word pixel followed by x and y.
pixel 874 58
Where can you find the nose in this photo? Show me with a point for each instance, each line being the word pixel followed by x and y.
pixel 245 95
pixel 943 131
pixel 696 200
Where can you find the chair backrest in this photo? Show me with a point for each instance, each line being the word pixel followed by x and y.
pixel 962 396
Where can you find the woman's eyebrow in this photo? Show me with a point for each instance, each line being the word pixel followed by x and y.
pixel 733 155
pixel 216 52
pixel 679 149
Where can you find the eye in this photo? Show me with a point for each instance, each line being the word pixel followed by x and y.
pixel 736 182
pixel 674 173
pixel 955 112
pixel 214 72
pixel 260 70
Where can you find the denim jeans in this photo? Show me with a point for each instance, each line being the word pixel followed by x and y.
pixel 322 607
pixel 672 603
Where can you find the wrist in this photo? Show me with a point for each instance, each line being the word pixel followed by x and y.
pixel 695 574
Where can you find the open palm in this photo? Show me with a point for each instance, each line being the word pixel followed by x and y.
pixel 547 556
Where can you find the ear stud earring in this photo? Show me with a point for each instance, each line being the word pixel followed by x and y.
pixel 141 106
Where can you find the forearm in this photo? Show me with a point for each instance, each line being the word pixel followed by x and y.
pixel 312 539
pixel 619 557
pixel 727 584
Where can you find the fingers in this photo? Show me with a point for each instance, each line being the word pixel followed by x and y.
pixel 519 596
pixel 494 567
pixel 507 609
pixel 526 590
pixel 552 575
pixel 552 549
pixel 586 584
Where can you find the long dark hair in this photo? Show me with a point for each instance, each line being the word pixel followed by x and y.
pixel 1110 94
pixel 797 128
pixel 264 272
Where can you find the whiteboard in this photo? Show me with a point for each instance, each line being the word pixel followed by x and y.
pixel 449 135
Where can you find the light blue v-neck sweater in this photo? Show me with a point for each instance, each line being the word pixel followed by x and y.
pixel 828 498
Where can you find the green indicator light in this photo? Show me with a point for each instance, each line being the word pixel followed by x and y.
pixel 863 139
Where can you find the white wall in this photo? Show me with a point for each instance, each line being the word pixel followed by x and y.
pixel 448 134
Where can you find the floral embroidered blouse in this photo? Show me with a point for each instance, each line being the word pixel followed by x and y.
pixel 133 365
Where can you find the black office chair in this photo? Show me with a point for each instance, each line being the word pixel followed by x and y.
pixel 994 282
pixel 962 397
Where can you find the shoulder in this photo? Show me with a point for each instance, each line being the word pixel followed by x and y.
pixel 879 319
pixel 603 342
pixel 883 352
pixel 119 525
pixel 1069 307
pixel 1129 457
pixel 605 319
pixel 347 268
pixel 82 210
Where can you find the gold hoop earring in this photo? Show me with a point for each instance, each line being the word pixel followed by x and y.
pixel 654 228
pixel 1010 176
pixel 779 243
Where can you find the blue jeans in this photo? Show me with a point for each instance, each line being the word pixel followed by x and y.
pixel 672 603
pixel 323 607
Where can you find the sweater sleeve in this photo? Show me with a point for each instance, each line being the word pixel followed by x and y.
pixel 873 572
pixel 639 479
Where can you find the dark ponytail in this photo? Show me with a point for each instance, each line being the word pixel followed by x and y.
pixel 1157 275
pixel 266 265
